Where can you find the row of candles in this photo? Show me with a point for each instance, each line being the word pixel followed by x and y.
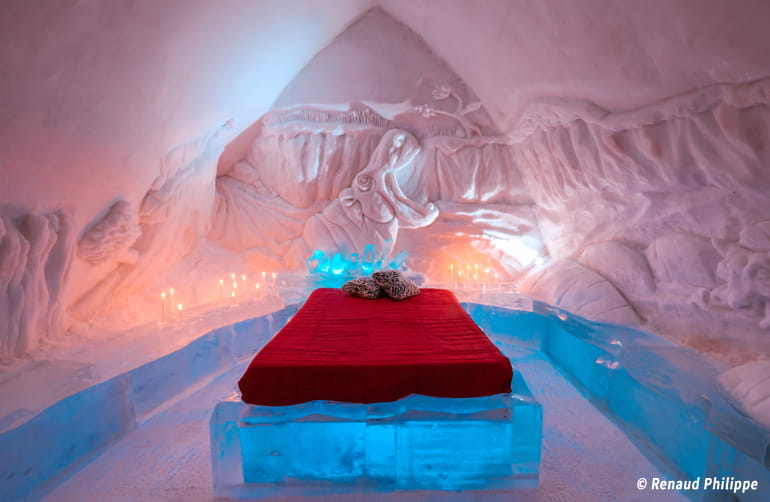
pixel 238 290
pixel 269 282
pixel 173 309
pixel 470 277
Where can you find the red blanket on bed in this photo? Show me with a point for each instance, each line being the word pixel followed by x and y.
pixel 342 348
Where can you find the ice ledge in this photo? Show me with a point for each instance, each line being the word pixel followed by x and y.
pixel 48 445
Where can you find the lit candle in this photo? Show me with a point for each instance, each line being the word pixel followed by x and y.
pixel 163 307
pixel 497 281
pixel 243 281
pixel 486 278
pixel 263 278
pixel 232 296
pixel 232 276
pixel 179 310
pixel 221 289
pixel 258 290
pixel 172 298
pixel 451 274
pixel 459 278
pixel 274 284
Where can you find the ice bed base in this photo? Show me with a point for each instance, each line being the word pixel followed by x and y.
pixel 416 443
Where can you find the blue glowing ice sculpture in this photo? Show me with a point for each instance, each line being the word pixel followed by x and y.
pixel 339 266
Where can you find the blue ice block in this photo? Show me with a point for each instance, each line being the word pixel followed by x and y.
pixel 418 442
pixel 666 398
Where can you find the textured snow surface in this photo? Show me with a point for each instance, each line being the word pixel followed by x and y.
pixel 585 457
pixel 748 385
pixel 651 174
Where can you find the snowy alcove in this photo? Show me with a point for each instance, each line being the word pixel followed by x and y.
pixel 590 179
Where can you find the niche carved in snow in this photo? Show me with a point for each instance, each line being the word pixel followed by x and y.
pixel 36 252
pixel 112 237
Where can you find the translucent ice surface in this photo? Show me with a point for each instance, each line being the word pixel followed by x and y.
pixel 665 396
pixel 418 442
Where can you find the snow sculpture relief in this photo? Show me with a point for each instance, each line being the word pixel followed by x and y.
pixel 372 209
pixel 36 252
pixel 361 178
pixel 572 286
pixel 174 213
pixel 112 237
pixel 744 283
pixel 684 258
pixel 290 172
pixel 461 112
pixel 626 267
pixel 671 181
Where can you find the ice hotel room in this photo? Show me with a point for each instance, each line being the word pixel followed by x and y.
pixel 374 250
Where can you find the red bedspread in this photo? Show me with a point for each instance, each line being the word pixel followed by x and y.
pixel 342 348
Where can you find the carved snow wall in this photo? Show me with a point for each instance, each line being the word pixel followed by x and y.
pixel 36 251
pixel 669 202
pixel 340 177
pixel 175 212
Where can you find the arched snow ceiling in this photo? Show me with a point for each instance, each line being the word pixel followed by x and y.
pixel 620 55
pixel 97 92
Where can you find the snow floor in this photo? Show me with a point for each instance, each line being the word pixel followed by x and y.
pixel 585 456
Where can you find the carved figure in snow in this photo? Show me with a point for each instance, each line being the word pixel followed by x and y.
pixel 372 209
pixel 446 91
pixel 745 285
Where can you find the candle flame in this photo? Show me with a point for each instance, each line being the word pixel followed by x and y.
pixel 163 295
pixel 180 307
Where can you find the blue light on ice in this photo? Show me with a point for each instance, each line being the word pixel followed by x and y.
pixel 369 261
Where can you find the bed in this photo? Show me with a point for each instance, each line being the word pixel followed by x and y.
pixel 380 394
pixel 343 348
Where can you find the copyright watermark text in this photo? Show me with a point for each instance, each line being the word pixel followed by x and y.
pixel 713 483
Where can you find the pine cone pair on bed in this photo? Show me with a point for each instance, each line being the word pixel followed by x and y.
pixel 392 283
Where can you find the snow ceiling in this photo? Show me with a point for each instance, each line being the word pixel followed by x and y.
pixel 606 156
